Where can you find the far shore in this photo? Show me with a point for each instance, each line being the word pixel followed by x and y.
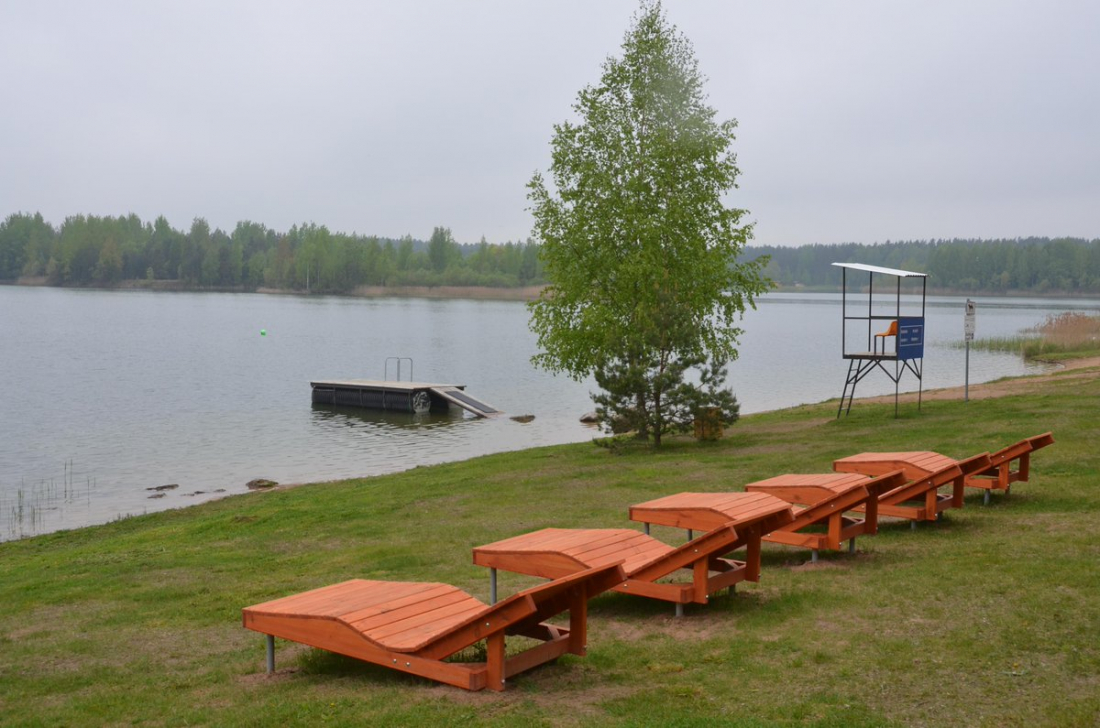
pixel 486 293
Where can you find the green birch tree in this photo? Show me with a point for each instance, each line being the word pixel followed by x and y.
pixel 641 253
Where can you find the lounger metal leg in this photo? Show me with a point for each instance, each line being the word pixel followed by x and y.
pixel 813 556
pixel 679 609
pixel 270 639
pixel 985 500
pixel 851 545
pixel 492 586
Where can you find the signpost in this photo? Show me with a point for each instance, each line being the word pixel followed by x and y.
pixel 968 332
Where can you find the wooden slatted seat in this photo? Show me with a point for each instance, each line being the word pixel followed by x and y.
pixel 1000 475
pixel 554 552
pixel 918 499
pixel 826 500
pixel 414 626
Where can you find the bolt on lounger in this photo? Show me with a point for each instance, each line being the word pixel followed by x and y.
pixel 555 552
pixel 919 499
pixel 414 626
pixel 1000 475
pixel 825 500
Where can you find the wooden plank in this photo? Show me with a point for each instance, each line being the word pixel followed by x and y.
pixel 371 607
pixel 388 385
pixel 708 511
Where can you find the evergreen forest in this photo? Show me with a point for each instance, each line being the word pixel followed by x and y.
pixel 87 250
pixel 104 251
pixel 1067 266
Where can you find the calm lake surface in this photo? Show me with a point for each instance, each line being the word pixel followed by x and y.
pixel 107 394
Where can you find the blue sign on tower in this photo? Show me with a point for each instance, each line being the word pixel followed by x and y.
pixel 910 337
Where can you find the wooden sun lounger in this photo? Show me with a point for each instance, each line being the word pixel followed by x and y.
pixel 826 499
pixel 555 552
pixel 919 499
pixel 413 627
pixel 1000 475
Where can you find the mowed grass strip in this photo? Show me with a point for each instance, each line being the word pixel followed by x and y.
pixel 989 617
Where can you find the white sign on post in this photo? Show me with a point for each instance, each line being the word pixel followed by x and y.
pixel 968 320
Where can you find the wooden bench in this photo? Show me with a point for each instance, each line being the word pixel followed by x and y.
pixel 555 552
pixel 414 626
pixel 918 499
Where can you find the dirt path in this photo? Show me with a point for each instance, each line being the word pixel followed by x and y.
pixel 1088 368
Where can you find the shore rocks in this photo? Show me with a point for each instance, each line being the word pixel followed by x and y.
pixel 170 486
pixel 260 484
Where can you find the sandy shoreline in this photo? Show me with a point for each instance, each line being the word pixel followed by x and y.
pixel 1087 368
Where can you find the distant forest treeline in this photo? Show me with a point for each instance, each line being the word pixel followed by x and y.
pixel 103 251
pixel 1033 265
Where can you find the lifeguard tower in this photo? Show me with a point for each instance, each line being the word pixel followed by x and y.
pixel 893 335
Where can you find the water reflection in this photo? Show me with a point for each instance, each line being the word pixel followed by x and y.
pixel 337 416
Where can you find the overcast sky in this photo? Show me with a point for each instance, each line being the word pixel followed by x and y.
pixel 859 120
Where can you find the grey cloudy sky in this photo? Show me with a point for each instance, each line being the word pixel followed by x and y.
pixel 859 120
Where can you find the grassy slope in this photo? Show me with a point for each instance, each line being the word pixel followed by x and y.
pixel 988 617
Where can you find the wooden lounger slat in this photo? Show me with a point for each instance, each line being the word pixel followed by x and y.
pixel 409 639
pixel 373 608
pixel 412 632
pixel 332 600
pixel 440 605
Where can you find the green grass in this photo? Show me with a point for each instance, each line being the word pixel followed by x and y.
pixel 989 617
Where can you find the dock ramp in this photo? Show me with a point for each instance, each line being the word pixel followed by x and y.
pixel 457 397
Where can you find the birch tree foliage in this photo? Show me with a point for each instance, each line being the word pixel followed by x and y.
pixel 639 247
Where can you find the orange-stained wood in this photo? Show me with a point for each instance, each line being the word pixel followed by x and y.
pixel 828 496
pixel 920 498
pixel 412 627
pixel 1001 475
pixel 552 551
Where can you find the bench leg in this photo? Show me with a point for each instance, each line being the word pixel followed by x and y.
pixel 645 527
pixel 985 500
pixel 492 586
pixel 270 653
pixel 679 609
pixel 852 545
pixel 813 556
pixel 912 525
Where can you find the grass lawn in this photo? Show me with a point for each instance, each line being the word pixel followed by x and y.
pixel 989 617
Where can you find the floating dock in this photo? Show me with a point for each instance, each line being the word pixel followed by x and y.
pixel 415 397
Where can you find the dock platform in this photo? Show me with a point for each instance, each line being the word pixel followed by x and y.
pixel 395 396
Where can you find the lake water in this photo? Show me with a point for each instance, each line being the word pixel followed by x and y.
pixel 107 394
